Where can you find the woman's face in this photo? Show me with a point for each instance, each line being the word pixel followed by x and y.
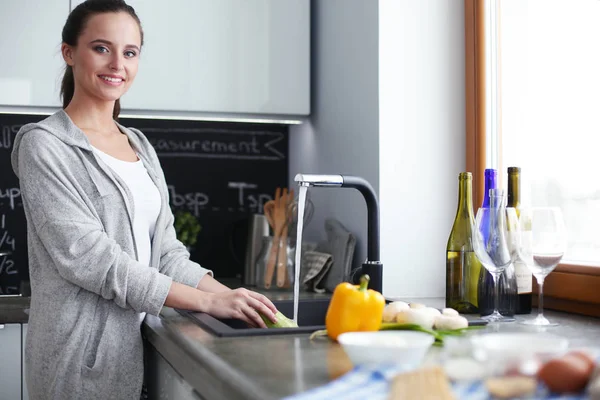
pixel 105 60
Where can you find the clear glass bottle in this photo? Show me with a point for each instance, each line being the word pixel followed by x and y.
pixel 462 265
pixel 507 284
pixel 268 255
pixel 267 252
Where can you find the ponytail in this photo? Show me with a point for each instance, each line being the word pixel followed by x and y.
pixel 67 87
pixel 117 110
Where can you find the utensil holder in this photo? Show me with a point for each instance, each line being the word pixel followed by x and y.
pixel 268 256
pixel 258 227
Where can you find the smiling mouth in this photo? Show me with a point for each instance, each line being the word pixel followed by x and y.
pixel 111 80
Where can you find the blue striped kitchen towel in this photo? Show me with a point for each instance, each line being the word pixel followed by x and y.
pixel 373 383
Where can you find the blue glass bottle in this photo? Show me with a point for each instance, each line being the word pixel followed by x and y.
pixel 507 284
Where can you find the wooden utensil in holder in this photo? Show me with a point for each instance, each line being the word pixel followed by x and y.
pixel 283 280
pixel 277 214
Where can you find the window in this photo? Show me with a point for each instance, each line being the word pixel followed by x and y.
pixel 548 93
pixel 533 95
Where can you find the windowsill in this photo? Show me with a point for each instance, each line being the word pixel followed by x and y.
pixel 572 288
pixel 579 269
pixel 569 306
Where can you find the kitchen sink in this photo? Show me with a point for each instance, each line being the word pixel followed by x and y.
pixel 311 317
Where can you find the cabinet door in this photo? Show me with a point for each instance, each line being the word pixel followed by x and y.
pixel 231 56
pixel 163 382
pixel 23 379
pixel 10 361
pixel 30 38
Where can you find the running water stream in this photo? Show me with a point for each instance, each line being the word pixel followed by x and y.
pixel 301 204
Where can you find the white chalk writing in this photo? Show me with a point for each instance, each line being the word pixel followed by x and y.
pixel 9 290
pixel 246 199
pixel 12 194
pixel 6 135
pixel 241 186
pixel 253 201
pixel 6 240
pixel 7 266
pixel 194 201
pixel 207 146
pixel 7 246
pixel 230 144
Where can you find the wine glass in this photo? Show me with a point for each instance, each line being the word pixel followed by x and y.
pixel 495 235
pixel 543 241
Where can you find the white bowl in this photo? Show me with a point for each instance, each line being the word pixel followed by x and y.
pixel 517 344
pixel 406 348
pixel 517 351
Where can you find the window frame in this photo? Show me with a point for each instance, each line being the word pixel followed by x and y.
pixel 475 74
pixel 570 287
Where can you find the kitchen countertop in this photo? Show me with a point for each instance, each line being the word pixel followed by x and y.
pixel 272 367
pixel 13 310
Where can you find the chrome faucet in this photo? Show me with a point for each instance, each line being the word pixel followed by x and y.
pixel 372 266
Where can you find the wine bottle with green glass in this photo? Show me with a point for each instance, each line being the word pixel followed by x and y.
pixel 462 266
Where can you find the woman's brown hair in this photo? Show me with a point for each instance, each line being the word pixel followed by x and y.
pixel 73 28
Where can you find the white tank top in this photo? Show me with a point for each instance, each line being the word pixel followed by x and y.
pixel 146 199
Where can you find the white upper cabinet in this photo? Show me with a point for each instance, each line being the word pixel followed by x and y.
pixel 225 56
pixel 31 64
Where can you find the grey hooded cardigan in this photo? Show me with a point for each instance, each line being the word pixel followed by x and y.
pixel 88 290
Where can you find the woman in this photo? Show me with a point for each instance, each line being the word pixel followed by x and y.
pixel 102 246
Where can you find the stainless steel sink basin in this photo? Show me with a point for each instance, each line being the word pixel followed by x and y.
pixel 311 317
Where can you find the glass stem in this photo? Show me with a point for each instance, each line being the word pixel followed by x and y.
pixel 496 292
pixel 540 297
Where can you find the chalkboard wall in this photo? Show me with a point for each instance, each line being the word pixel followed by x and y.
pixel 222 172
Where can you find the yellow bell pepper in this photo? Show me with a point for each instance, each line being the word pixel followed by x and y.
pixel 354 308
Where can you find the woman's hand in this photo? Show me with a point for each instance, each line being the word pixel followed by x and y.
pixel 241 304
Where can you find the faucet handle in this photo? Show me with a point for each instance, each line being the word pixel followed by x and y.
pixel 319 180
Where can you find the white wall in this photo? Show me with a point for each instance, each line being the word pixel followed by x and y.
pixel 421 139
pixel 341 135
pixel 388 104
